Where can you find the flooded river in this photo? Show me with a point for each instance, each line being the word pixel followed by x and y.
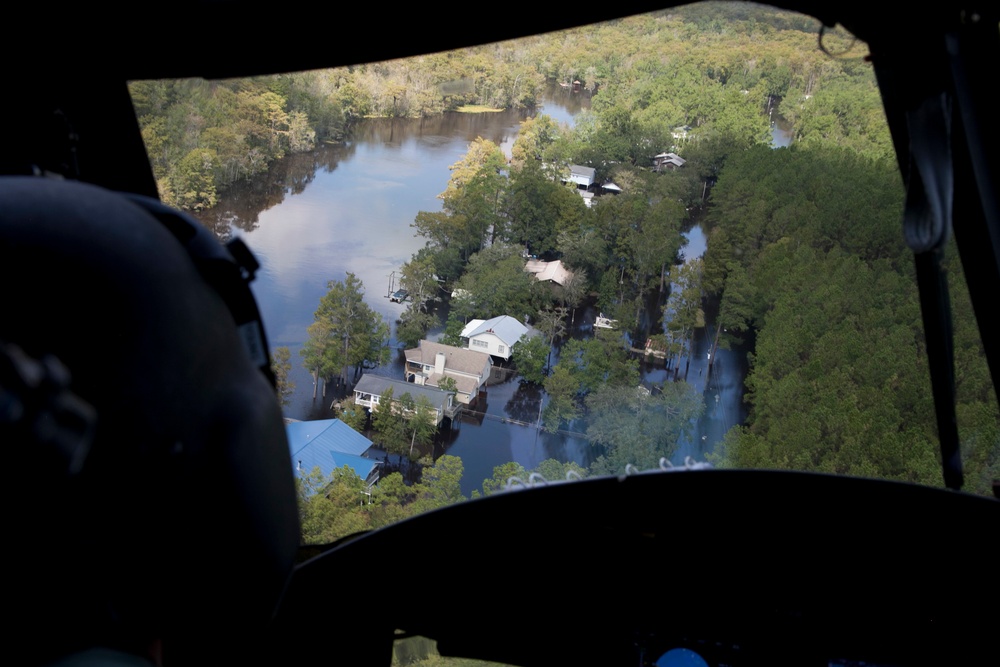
pixel 348 208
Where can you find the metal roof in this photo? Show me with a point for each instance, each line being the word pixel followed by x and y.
pixel 325 434
pixel 328 444
pixel 508 329
pixel 376 384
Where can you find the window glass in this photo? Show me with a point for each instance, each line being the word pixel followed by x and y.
pixel 695 213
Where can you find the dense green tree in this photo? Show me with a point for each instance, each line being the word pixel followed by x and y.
pixel 281 365
pixel 331 508
pixel 318 357
pixel 639 428
pixel 389 424
pixel 347 332
pixel 807 254
pixel 531 356
pixel 420 422
pixel 501 475
pixel 412 325
pixel 598 361
pixel 476 193
pixel 573 291
pixel 554 470
pixel 538 207
pixel 534 136
pixel 193 181
pixel 563 391
pixel 683 312
pixel 403 423
pixel 453 327
pixel 418 277
pixel 440 485
pixel 353 415
pixel 496 283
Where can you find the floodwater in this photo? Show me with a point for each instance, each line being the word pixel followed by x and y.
pixel 348 208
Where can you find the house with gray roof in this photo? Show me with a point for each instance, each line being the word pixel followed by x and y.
pixel 668 161
pixel 329 444
pixel 496 336
pixel 431 363
pixel 370 389
pixel 582 176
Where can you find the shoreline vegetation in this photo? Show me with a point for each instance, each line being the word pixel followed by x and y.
pixel 805 257
pixel 717 68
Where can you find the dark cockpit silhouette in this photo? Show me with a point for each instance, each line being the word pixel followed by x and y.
pixel 149 499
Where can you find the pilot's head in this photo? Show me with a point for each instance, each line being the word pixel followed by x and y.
pixel 149 494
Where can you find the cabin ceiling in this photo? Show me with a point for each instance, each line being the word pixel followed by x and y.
pixel 226 38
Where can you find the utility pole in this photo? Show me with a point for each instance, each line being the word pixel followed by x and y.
pixel 715 346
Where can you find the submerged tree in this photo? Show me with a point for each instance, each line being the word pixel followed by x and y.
pixel 639 428
pixel 683 313
pixel 347 333
pixel 531 356
pixel 281 364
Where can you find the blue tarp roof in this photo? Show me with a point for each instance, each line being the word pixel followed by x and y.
pixel 329 444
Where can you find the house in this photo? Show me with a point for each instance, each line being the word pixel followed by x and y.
pixel 544 271
pixel 431 363
pixel 668 161
pixel 329 444
pixel 370 388
pixel 496 336
pixel 582 176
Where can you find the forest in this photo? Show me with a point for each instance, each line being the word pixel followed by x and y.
pixel 806 268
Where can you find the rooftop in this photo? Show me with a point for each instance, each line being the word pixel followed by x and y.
pixel 506 328
pixel 377 385
pixel 327 444
pixel 554 271
pixel 456 358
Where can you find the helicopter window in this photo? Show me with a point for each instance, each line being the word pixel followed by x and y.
pixel 671 239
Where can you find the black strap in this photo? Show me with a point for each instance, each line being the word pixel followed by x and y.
pixel 926 227
pixel 228 269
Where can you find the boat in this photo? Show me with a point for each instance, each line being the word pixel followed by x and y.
pixel 603 322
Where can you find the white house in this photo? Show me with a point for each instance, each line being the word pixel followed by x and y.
pixel 496 336
pixel 581 176
pixel 370 388
pixel 430 363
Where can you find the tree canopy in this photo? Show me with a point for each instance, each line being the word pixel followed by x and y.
pixel 346 334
